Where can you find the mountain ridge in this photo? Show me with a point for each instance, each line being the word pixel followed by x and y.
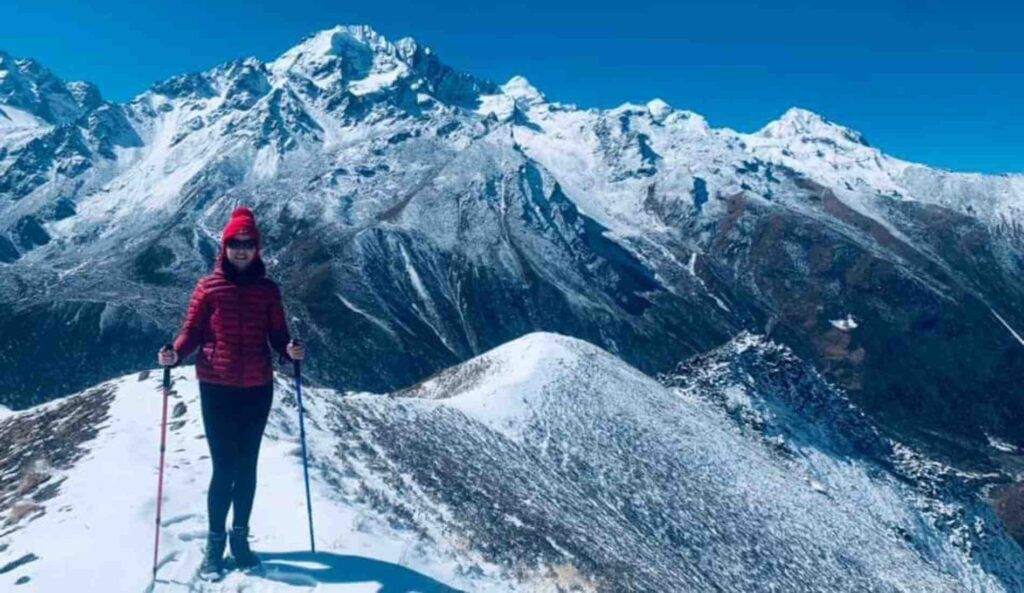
pixel 599 478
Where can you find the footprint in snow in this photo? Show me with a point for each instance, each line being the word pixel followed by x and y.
pixel 188 536
pixel 178 519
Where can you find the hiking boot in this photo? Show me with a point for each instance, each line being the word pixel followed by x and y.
pixel 212 568
pixel 243 557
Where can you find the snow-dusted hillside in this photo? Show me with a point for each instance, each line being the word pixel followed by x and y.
pixel 418 216
pixel 543 465
pixel 78 501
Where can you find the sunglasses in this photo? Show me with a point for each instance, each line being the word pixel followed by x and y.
pixel 241 244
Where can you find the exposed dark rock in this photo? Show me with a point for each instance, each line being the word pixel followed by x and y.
pixel 35 447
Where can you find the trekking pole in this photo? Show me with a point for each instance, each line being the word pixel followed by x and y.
pixel 302 436
pixel 163 447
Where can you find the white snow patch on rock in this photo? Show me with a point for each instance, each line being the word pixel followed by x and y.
pixel 1012 331
pixel 1000 445
pixel 846 324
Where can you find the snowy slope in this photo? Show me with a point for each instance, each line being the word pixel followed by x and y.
pixel 96 533
pixel 600 466
pixel 18 126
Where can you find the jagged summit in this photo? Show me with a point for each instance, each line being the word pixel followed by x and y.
pixel 337 57
pixel 659 109
pixel 362 34
pixel 360 60
pixel 345 58
pixel 351 47
pixel 520 89
pixel 26 84
pixel 802 123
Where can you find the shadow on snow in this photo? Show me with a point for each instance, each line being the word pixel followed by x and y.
pixel 308 569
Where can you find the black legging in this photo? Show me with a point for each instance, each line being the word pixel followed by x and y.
pixel 234 419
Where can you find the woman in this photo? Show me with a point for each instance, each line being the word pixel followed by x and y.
pixel 231 316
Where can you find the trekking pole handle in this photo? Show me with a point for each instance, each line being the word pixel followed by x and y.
pixel 167 368
pixel 296 363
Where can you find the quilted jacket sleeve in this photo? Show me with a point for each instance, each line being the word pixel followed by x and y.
pixel 191 333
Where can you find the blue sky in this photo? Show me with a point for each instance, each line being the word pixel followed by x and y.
pixel 934 82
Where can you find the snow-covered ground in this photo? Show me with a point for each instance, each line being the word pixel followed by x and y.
pixel 544 465
pixel 97 534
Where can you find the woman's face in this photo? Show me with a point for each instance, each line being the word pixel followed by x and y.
pixel 240 255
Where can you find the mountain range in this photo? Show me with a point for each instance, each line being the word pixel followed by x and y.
pixel 417 216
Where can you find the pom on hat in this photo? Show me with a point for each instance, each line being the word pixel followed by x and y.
pixel 242 211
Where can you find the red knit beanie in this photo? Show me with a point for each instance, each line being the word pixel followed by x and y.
pixel 242 222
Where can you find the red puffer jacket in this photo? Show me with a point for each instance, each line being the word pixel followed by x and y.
pixel 230 318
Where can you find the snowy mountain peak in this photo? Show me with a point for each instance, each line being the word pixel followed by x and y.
pixel 520 89
pixel 659 109
pixel 28 85
pixel 345 54
pixel 797 123
pixel 529 358
pixel 334 40
pixel 542 345
pixel 511 386
pixel 86 94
